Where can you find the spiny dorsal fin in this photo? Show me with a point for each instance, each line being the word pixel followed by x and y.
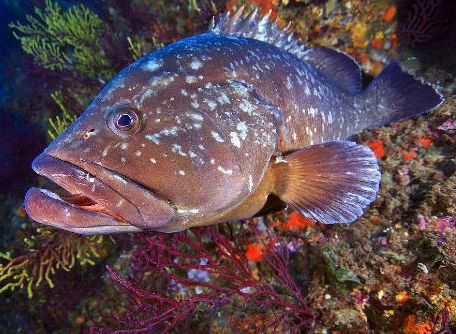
pixel 338 66
pixel 261 29
pixel 334 64
pixel 330 183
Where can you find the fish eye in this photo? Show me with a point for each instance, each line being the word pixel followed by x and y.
pixel 124 122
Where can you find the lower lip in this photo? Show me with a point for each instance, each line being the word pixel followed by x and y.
pixel 47 208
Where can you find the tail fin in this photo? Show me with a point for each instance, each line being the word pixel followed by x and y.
pixel 395 95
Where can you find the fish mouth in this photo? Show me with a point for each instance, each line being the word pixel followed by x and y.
pixel 92 203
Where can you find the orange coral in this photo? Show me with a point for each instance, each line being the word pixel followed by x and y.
pixel 377 147
pixel 297 221
pixel 409 155
pixel 254 252
pixel 425 142
pixel 402 297
pixel 264 6
pixel 21 212
pixel 377 43
pixel 389 13
pixel 412 327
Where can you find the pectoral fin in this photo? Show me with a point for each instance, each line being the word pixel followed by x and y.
pixel 330 183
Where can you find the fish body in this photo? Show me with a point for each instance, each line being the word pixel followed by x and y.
pixel 206 129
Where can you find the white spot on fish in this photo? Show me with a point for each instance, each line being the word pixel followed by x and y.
pixel 124 146
pixel 146 94
pixel 217 136
pixel 223 99
pixel 169 131
pixel 184 92
pixel 211 104
pixel 225 171
pixel 250 183
pixel 178 149
pixel 235 139
pixel 242 128
pixel 181 172
pixel 123 160
pixel 196 117
pixel 196 64
pixel 313 111
pixel 153 138
pixel 138 153
pixel 289 83
pixel 187 210
pixel 246 106
pixel 152 65
pixel 195 104
pixel 153 161
pixel 190 79
pixel 212 161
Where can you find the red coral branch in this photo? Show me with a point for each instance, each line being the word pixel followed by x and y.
pixel 207 269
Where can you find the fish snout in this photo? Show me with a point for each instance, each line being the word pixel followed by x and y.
pixel 96 200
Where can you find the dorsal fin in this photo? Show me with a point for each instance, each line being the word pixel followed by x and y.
pixel 334 64
pixel 261 29
pixel 338 66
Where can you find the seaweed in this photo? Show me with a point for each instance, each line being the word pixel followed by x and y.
pixel 45 252
pixel 65 40
pixel 60 122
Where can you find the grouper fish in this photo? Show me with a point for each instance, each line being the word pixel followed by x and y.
pixel 220 126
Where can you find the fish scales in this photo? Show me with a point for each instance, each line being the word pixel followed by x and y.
pixel 206 129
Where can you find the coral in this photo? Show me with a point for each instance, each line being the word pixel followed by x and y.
pixel 46 252
pixel 254 252
pixel 423 20
pixel 65 40
pixel 206 269
pixel 377 147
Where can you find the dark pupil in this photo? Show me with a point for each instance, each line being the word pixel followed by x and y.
pixel 124 120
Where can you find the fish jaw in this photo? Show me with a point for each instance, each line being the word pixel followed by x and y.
pixel 93 206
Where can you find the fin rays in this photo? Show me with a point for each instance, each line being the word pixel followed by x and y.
pixel 331 182
pixel 261 29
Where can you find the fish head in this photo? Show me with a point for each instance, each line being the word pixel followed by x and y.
pixel 138 158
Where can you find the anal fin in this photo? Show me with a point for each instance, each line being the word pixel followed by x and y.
pixel 330 183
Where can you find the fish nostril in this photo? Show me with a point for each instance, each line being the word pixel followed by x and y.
pixel 88 133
